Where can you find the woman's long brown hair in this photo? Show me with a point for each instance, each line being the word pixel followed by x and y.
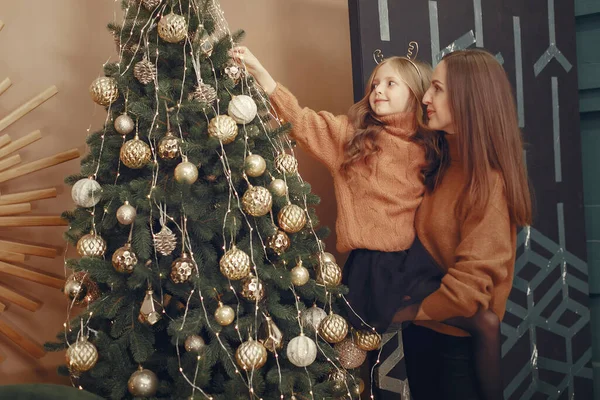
pixel 488 135
pixel 363 144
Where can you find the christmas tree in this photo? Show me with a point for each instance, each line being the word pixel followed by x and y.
pixel 201 269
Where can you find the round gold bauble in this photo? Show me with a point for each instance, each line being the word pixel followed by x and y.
pixel 172 28
pixel 278 187
pixel 253 289
pixel 91 245
pixel 286 164
pixel 104 90
pixel 251 355
pixel 124 259
pixel 257 201
pixel 235 264
pixel 182 269
pixel 224 128
pixel 329 274
pixel 142 383
pixel 300 275
pixel 186 172
pixel 135 153
pixel 224 314
pixel 367 340
pixel 81 356
pixel 126 213
pixel 254 165
pixel 124 124
pixel 291 218
pixel 169 147
pixel 194 343
pixel 279 242
pixel 333 328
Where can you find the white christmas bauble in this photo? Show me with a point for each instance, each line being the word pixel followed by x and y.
pixel 311 318
pixel 242 109
pixel 86 192
pixel 302 351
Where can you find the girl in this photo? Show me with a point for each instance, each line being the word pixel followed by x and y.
pixel 468 225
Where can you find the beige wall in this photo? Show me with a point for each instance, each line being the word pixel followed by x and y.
pixel 304 43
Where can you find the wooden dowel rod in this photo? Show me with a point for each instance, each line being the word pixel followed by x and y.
pixel 4 85
pixel 27 107
pixel 39 164
pixel 30 275
pixel 30 249
pixel 15 209
pixel 10 162
pixel 9 256
pixel 4 140
pixel 19 299
pixel 32 195
pixel 21 340
pixel 33 220
pixel 1 24
pixel 20 143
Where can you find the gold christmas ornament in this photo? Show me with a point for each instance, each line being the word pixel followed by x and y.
pixel 186 172
pixel 148 314
pixel 135 153
pixel 301 351
pixel 124 259
pixel 286 164
pixel 291 218
pixel 359 388
pixel 252 131
pixel 300 275
pixel 124 124
pixel 242 109
pixel 235 264
pixel 278 187
pixel 270 335
pixel 86 192
pixel 142 383
pixel 224 314
pixel 80 289
pixel 251 355
pixel 172 28
pixel 254 165
pixel 253 289
pixel 104 90
pixel 339 377
pixel 165 241
pixel 257 201
pixel 182 269
pixel 234 72
pixel 311 318
pixel 91 245
pixel 194 343
pixel 327 257
pixel 333 328
pixel 329 274
pixel 351 356
pixel 279 242
pixel 367 340
pixel 126 213
pixel 203 93
pixel 169 147
pixel 224 128
pixel 144 71
pixel 150 4
pixel 81 356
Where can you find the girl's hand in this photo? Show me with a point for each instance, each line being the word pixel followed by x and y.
pixel 244 56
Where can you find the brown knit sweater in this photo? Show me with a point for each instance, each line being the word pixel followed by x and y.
pixel 376 201
pixel 478 254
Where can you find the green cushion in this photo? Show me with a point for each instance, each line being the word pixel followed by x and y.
pixel 38 391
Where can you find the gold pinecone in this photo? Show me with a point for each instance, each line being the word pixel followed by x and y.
pixel 144 71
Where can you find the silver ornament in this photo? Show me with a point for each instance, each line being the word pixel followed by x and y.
pixel 235 264
pixel 301 351
pixel 186 172
pixel 312 317
pixel 86 192
pixel 104 90
pixel 126 213
pixel 224 314
pixel 254 165
pixel 142 383
pixel 257 201
pixel 91 245
pixel 194 343
pixel 299 274
pixel 242 109
pixel 124 124
pixel 165 241
pixel 278 187
pixel 172 28
pixel 224 128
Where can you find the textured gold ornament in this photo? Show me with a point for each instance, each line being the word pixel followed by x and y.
pixel 329 274
pixel 204 93
pixel 286 164
pixel 135 153
pixel 126 213
pixel 291 218
pixel 367 340
pixel 169 147
pixel 254 165
pixel 300 275
pixel 224 314
pixel 91 245
pixel 251 355
pixel 182 269
pixel 279 242
pixel 253 289
pixel 270 335
pixel 194 343
pixel 339 377
pixel 301 351
pixel 165 241
pixel 142 383
pixel 172 28
pixel 144 71
pixel 224 128
pixel 235 264
pixel 257 201
pixel 333 328
pixel 81 356
pixel 351 356
pixel 233 72
pixel 186 172
pixel 104 90
pixel 150 4
pixel 124 124
pixel 278 187
pixel 148 314
pixel 86 192
pixel 242 109
pixel 327 257
pixel 312 317
pixel 80 289
pixel 124 259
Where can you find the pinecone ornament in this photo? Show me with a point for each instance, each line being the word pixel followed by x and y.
pixel 182 269
pixel 204 94
pixel 333 328
pixel 291 218
pixel 165 241
pixel 144 71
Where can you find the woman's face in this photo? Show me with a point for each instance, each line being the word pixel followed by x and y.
pixel 438 102
pixel 389 94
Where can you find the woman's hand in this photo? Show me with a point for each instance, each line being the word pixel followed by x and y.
pixel 244 56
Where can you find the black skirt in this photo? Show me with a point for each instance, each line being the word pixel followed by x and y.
pixel 381 283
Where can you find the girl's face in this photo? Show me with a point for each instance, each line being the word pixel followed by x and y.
pixel 438 102
pixel 389 94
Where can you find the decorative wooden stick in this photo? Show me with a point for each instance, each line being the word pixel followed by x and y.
pixel 20 143
pixel 34 220
pixel 10 162
pixel 19 299
pixel 30 275
pixel 9 256
pixel 27 107
pixel 23 248
pixel 21 340
pixel 4 85
pixel 15 209
pixel 27 196
pixel 4 140
pixel 39 164
pixel 1 25
pixel 2 307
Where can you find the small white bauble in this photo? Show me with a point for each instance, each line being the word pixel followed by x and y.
pixel 242 109
pixel 311 318
pixel 86 192
pixel 302 351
